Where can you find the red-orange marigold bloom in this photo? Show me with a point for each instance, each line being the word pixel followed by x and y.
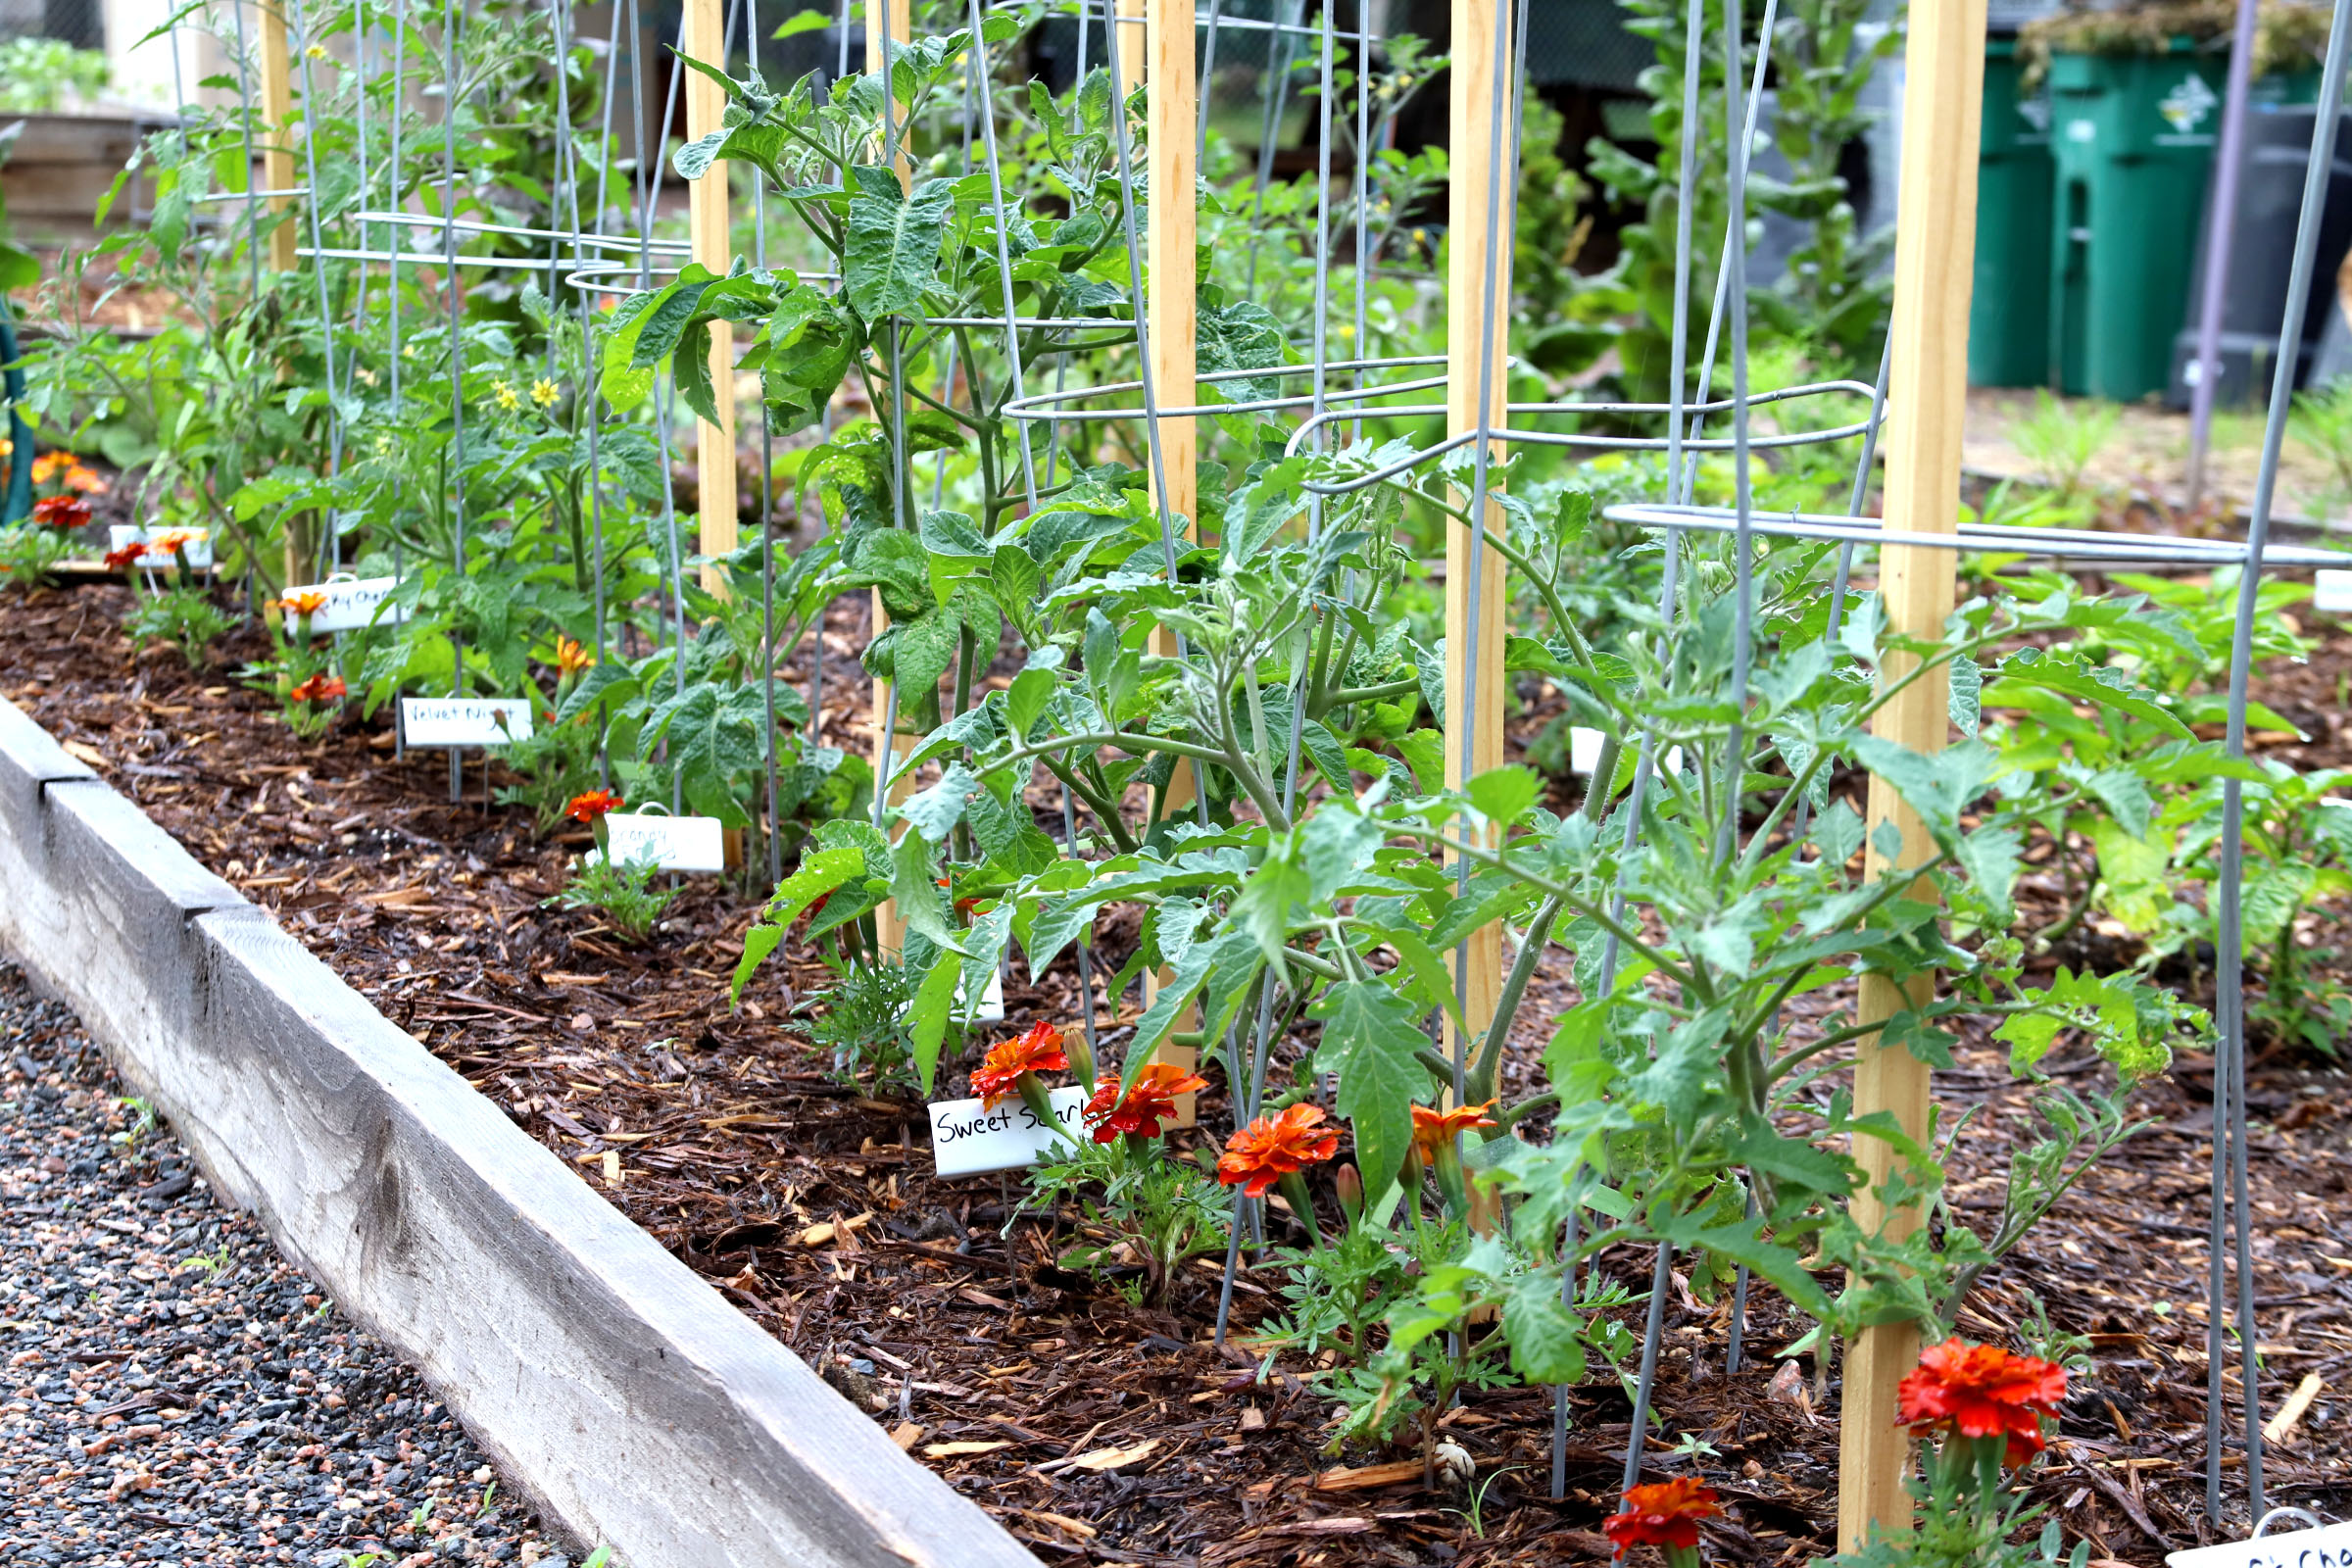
pixel 1144 1107
pixel 84 480
pixel 121 560
pixel 1665 1513
pixel 1270 1148
pixel 1981 1391
pixel 319 689
pixel 1434 1130
pixel 591 806
pixel 63 513
pixel 179 539
pixel 571 657
pixel 307 602
pixel 1038 1050
pixel 49 465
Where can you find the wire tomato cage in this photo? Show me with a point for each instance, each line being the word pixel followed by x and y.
pixel 610 249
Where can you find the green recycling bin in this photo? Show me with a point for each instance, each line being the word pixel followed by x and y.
pixel 2009 307
pixel 2131 142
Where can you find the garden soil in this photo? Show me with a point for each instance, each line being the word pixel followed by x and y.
pixel 1095 1429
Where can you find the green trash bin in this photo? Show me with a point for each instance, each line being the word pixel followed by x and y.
pixel 2131 140
pixel 2009 307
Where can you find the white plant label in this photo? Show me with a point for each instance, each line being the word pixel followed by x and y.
pixel 1583 751
pixel 465 720
pixel 671 843
pixel 2332 591
pixel 967 1138
pixel 2328 1547
pixel 351 603
pixel 121 535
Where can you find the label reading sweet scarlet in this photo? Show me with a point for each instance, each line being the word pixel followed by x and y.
pixel 970 1138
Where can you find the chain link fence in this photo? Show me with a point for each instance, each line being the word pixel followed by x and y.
pixel 80 23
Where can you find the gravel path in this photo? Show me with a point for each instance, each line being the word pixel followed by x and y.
pixel 177 1393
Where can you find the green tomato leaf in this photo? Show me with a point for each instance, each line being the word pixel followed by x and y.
pixel 1370 1039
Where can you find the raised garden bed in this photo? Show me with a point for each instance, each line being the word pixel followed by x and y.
pixel 1092 1427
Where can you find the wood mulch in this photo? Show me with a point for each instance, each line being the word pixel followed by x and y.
pixel 1094 1429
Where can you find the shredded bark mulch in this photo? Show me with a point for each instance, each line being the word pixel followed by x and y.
pixel 1095 1429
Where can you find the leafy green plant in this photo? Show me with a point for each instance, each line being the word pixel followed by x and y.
pixel 1139 1210
pixel 2060 439
pixel 2320 421
pixel 623 893
pixel 28 554
pixel 43 76
pixel 862 1023
pixel 185 618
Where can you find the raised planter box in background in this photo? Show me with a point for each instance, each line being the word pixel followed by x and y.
pixel 62 165
pixel 638 1408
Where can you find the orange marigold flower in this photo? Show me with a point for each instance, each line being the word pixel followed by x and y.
pixel 63 512
pixel 1981 1391
pixel 1434 1130
pixel 84 480
pixel 1270 1148
pixel 49 465
pixel 1036 1051
pixel 319 689
pixel 1665 1513
pixel 591 806
pixel 1144 1107
pixel 571 657
pixel 174 541
pixel 120 559
pixel 308 602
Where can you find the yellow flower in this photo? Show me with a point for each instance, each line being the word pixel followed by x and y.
pixel 317 51
pixel 544 393
pixel 365 374
pixel 504 391
pixel 409 353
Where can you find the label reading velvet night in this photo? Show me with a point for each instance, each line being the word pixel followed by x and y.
pixel 2329 1546
pixel 465 720
pixel 968 1139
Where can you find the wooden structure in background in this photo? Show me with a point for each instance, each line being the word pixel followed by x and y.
pixel 1474 631
pixel 1163 49
pixel 708 226
pixel 277 125
pixel 1925 399
pixel 894 22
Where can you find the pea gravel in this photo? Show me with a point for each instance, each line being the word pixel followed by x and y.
pixel 176 1392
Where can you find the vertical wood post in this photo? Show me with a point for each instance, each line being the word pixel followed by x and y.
pixel 1926 398
pixel 892 19
pixel 278 174
pixel 1171 107
pixel 277 119
pixel 708 213
pixel 1474 631
pixel 1139 47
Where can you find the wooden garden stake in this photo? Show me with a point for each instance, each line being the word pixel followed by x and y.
pixel 887 19
pixel 1138 48
pixel 277 119
pixel 1475 631
pixel 708 215
pixel 277 176
pixel 1171 107
pixel 1925 399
